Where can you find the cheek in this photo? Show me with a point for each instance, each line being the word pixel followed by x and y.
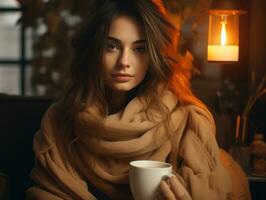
pixel 105 68
pixel 107 64
pixel 144 65
pixel 143 69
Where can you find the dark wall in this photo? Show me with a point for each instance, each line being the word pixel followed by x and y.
pixel 257 37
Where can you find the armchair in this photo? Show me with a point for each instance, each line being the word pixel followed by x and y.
pixel 20 118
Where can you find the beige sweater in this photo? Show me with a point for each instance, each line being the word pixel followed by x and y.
pixel 104 147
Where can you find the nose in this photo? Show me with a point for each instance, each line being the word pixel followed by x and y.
pixel 124 58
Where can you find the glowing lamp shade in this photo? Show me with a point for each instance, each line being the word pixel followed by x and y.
pixel 223 42
pixel 223 36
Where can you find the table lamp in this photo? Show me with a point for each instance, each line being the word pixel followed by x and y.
pixel 223 36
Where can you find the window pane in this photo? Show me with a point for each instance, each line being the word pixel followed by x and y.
pixel 29 41
pixel 9 3
pixel 9 79
pixel 9 36
pixel 28 85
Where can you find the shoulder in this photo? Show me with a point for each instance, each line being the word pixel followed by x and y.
pixel 198 146
pixel 194 117
pixel 44 138
pixel 49 120
pixel 50 113
pixel 199 119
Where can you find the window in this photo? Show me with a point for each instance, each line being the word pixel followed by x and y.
pixel 15 51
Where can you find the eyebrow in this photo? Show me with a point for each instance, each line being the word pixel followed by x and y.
pixel 119 41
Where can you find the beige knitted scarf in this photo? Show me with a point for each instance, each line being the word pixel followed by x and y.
pixel 105 145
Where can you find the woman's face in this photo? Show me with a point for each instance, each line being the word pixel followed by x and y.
pixel 125 58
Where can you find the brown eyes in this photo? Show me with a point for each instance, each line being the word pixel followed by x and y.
pixel 111 47
pixel 141 49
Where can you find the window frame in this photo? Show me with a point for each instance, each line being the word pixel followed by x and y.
pixel 21 62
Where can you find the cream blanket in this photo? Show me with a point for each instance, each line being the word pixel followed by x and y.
pixel 104 146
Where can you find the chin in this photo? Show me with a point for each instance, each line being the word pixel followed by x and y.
pixel 122 88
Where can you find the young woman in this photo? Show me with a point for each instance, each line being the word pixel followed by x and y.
pixel 126 100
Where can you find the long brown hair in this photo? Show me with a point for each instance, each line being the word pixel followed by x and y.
pixel 85 86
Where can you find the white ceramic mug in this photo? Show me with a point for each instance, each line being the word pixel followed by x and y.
pixel 145 177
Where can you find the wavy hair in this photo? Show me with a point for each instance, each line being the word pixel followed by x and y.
pixel 85 86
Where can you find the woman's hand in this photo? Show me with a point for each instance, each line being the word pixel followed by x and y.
pixel 172 189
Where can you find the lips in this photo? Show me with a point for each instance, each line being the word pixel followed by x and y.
pixel 122 77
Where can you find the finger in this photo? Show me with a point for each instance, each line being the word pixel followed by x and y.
pixel 159 196
pixel 166 191
pixel 176 187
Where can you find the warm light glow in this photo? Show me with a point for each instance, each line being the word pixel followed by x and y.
pixel 223 33
pixel 223 53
